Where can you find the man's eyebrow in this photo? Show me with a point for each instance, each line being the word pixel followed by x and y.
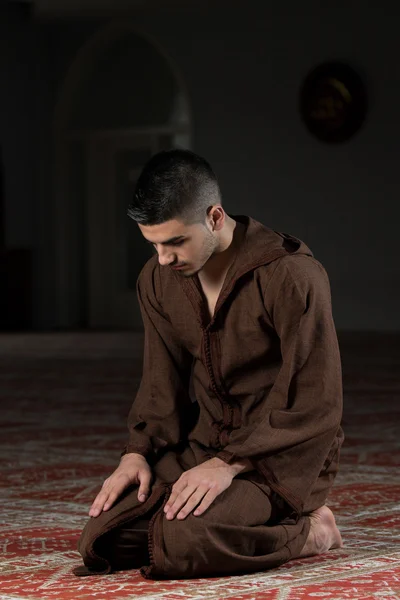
pixel 170 241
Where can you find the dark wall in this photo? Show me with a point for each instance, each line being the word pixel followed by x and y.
pixel 243 70
pixel 18 50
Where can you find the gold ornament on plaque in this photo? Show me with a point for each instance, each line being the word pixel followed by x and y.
pixel 333 102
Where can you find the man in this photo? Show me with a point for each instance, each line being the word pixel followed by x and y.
pixel 235 481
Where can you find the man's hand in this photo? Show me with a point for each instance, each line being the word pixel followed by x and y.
pixel 200 484
pixel 133 468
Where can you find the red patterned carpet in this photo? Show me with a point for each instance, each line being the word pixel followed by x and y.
pixel 65 399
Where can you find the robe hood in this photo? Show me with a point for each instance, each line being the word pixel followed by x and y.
pixel 262 245
pixel 259 246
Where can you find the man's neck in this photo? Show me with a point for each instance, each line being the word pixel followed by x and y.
pixel 214 271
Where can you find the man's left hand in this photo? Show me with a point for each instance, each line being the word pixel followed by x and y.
pixel 202 484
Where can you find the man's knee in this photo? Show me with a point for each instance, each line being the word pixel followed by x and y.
pixel 185 544
pixel 125 547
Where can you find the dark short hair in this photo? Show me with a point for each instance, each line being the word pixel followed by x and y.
pixel 174 184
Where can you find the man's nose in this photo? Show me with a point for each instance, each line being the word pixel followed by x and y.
pixel 165 257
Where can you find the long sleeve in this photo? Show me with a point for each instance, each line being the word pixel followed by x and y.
pixel 162 412
pixel 299 426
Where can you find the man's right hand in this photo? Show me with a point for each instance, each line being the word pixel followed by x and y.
pixel 133 468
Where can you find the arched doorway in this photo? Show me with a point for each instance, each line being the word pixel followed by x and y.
pixel 122 101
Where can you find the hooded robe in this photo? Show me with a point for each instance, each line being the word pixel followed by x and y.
pixel 265 373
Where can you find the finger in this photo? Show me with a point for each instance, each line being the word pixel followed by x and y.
pixel 180 501
pixel 120 483
pixel 108 495
pixel 176 490
pixel 98 503
pixel 207 501
pixel 144 477
pixel 111 499
pixel 192 502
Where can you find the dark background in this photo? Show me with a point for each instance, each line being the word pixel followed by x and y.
pixel 241 66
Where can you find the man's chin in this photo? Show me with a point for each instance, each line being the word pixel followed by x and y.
pixel 188 272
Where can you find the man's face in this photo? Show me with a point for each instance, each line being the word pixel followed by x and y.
pixel 180 245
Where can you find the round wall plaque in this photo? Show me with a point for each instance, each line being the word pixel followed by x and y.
pixel 333 102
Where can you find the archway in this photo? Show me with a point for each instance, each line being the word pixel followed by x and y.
pixel 122 100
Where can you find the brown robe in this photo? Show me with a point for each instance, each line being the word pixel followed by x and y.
pixel 266 376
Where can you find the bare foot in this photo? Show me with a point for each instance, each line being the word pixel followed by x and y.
pixel 323 535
